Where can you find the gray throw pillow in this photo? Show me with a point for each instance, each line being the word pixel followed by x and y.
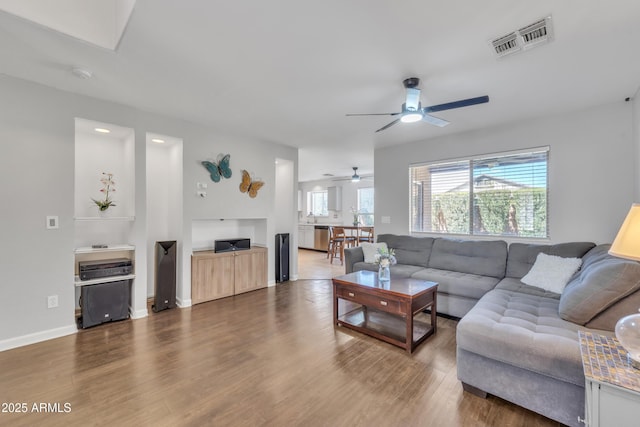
pixel 603 281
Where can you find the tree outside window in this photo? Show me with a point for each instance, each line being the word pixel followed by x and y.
pixel 496 195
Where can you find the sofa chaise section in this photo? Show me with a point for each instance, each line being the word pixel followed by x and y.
pixel 520 342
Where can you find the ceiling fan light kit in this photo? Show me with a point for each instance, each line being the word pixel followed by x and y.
pixel 412 110
pixel 355 177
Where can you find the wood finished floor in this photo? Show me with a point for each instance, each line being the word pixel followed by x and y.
pixel 266 358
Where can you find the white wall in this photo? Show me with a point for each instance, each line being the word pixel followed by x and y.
pixel 286 204
pixel 164 197
pixel 37 179
pixel 349 199
pixel 592 169
pixel 635 106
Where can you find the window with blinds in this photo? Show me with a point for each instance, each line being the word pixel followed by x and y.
pixel 495 195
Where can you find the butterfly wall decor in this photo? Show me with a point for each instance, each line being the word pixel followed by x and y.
pixel 220 169
pixel 250 186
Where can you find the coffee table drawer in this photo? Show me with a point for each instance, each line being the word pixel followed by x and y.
pixel 389 305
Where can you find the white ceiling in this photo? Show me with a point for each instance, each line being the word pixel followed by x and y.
pixel 288 71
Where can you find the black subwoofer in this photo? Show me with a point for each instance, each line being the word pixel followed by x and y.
pixel 104 302
pixel 165 276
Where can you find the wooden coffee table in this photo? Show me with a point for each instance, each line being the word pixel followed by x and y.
pixel 386 310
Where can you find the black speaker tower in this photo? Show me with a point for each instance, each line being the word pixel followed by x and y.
pixel 282 257
pixel 165 276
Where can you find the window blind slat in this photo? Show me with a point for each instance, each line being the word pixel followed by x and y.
pixel 498 195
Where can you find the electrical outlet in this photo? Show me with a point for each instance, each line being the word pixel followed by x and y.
pixel 52 301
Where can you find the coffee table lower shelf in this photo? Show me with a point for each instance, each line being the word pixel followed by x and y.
pixel 385 327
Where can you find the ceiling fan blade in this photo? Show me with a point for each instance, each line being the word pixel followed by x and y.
pixel 456 104
pixel 436 121
pixel 374 114
pixel 388 125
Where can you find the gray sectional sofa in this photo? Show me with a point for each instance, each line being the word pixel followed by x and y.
pixel 516 341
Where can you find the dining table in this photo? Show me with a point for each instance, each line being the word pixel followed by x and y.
pixel 354 230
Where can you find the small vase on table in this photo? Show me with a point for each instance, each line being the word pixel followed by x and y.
pixel 384 274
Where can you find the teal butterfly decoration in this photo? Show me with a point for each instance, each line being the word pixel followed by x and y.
pixel 221 169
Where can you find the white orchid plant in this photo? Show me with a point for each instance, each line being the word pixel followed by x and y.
pixel 385 257
pixel 108 186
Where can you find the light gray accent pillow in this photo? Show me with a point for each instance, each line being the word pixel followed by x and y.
pixel 370 250
pixel 551 273
pixel 522 256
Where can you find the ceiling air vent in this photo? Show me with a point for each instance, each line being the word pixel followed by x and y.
pixel 525 38
pixel 536 33
pixel 506 44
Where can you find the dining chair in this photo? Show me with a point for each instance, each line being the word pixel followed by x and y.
pixel 366 235
pixel 338 240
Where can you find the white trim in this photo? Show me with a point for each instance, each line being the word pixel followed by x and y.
pixel 36 337
pixel 480 156
pixel 184 303
pixel 271 283
pixel 139 314
pixel 293 278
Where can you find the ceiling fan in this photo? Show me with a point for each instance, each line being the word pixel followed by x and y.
pixel 412 110
pixel 355 177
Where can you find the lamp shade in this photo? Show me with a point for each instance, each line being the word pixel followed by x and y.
pixel 627 242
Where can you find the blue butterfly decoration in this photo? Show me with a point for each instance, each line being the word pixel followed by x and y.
pixel 221 169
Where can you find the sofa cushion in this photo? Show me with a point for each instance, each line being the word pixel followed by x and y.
pixel 515 285
pixel 524 331
pixel 409 250
pixel 551 273
pixel 602 281
pixel 484 258
pixel 456 283
pixel 522 256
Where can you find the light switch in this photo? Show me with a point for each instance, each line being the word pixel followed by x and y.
pixel 201 193
pixel 52 222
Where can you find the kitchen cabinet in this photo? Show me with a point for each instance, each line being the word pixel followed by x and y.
pixel 306 237
pixel 334 198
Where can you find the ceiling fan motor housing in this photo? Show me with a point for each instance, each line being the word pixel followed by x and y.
pixel 411 82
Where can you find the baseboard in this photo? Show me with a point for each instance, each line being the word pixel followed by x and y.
pixel 50 334
pixel 293 278
pixel 138 314
pixel 271 283
pixel 183 303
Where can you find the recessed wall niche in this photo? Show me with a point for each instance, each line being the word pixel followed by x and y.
pixel 164 198
pixel 108 148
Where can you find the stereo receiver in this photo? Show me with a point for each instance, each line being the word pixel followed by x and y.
pixel 105 268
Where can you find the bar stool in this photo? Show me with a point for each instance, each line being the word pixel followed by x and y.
pixel 338 240
pixel 366 235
